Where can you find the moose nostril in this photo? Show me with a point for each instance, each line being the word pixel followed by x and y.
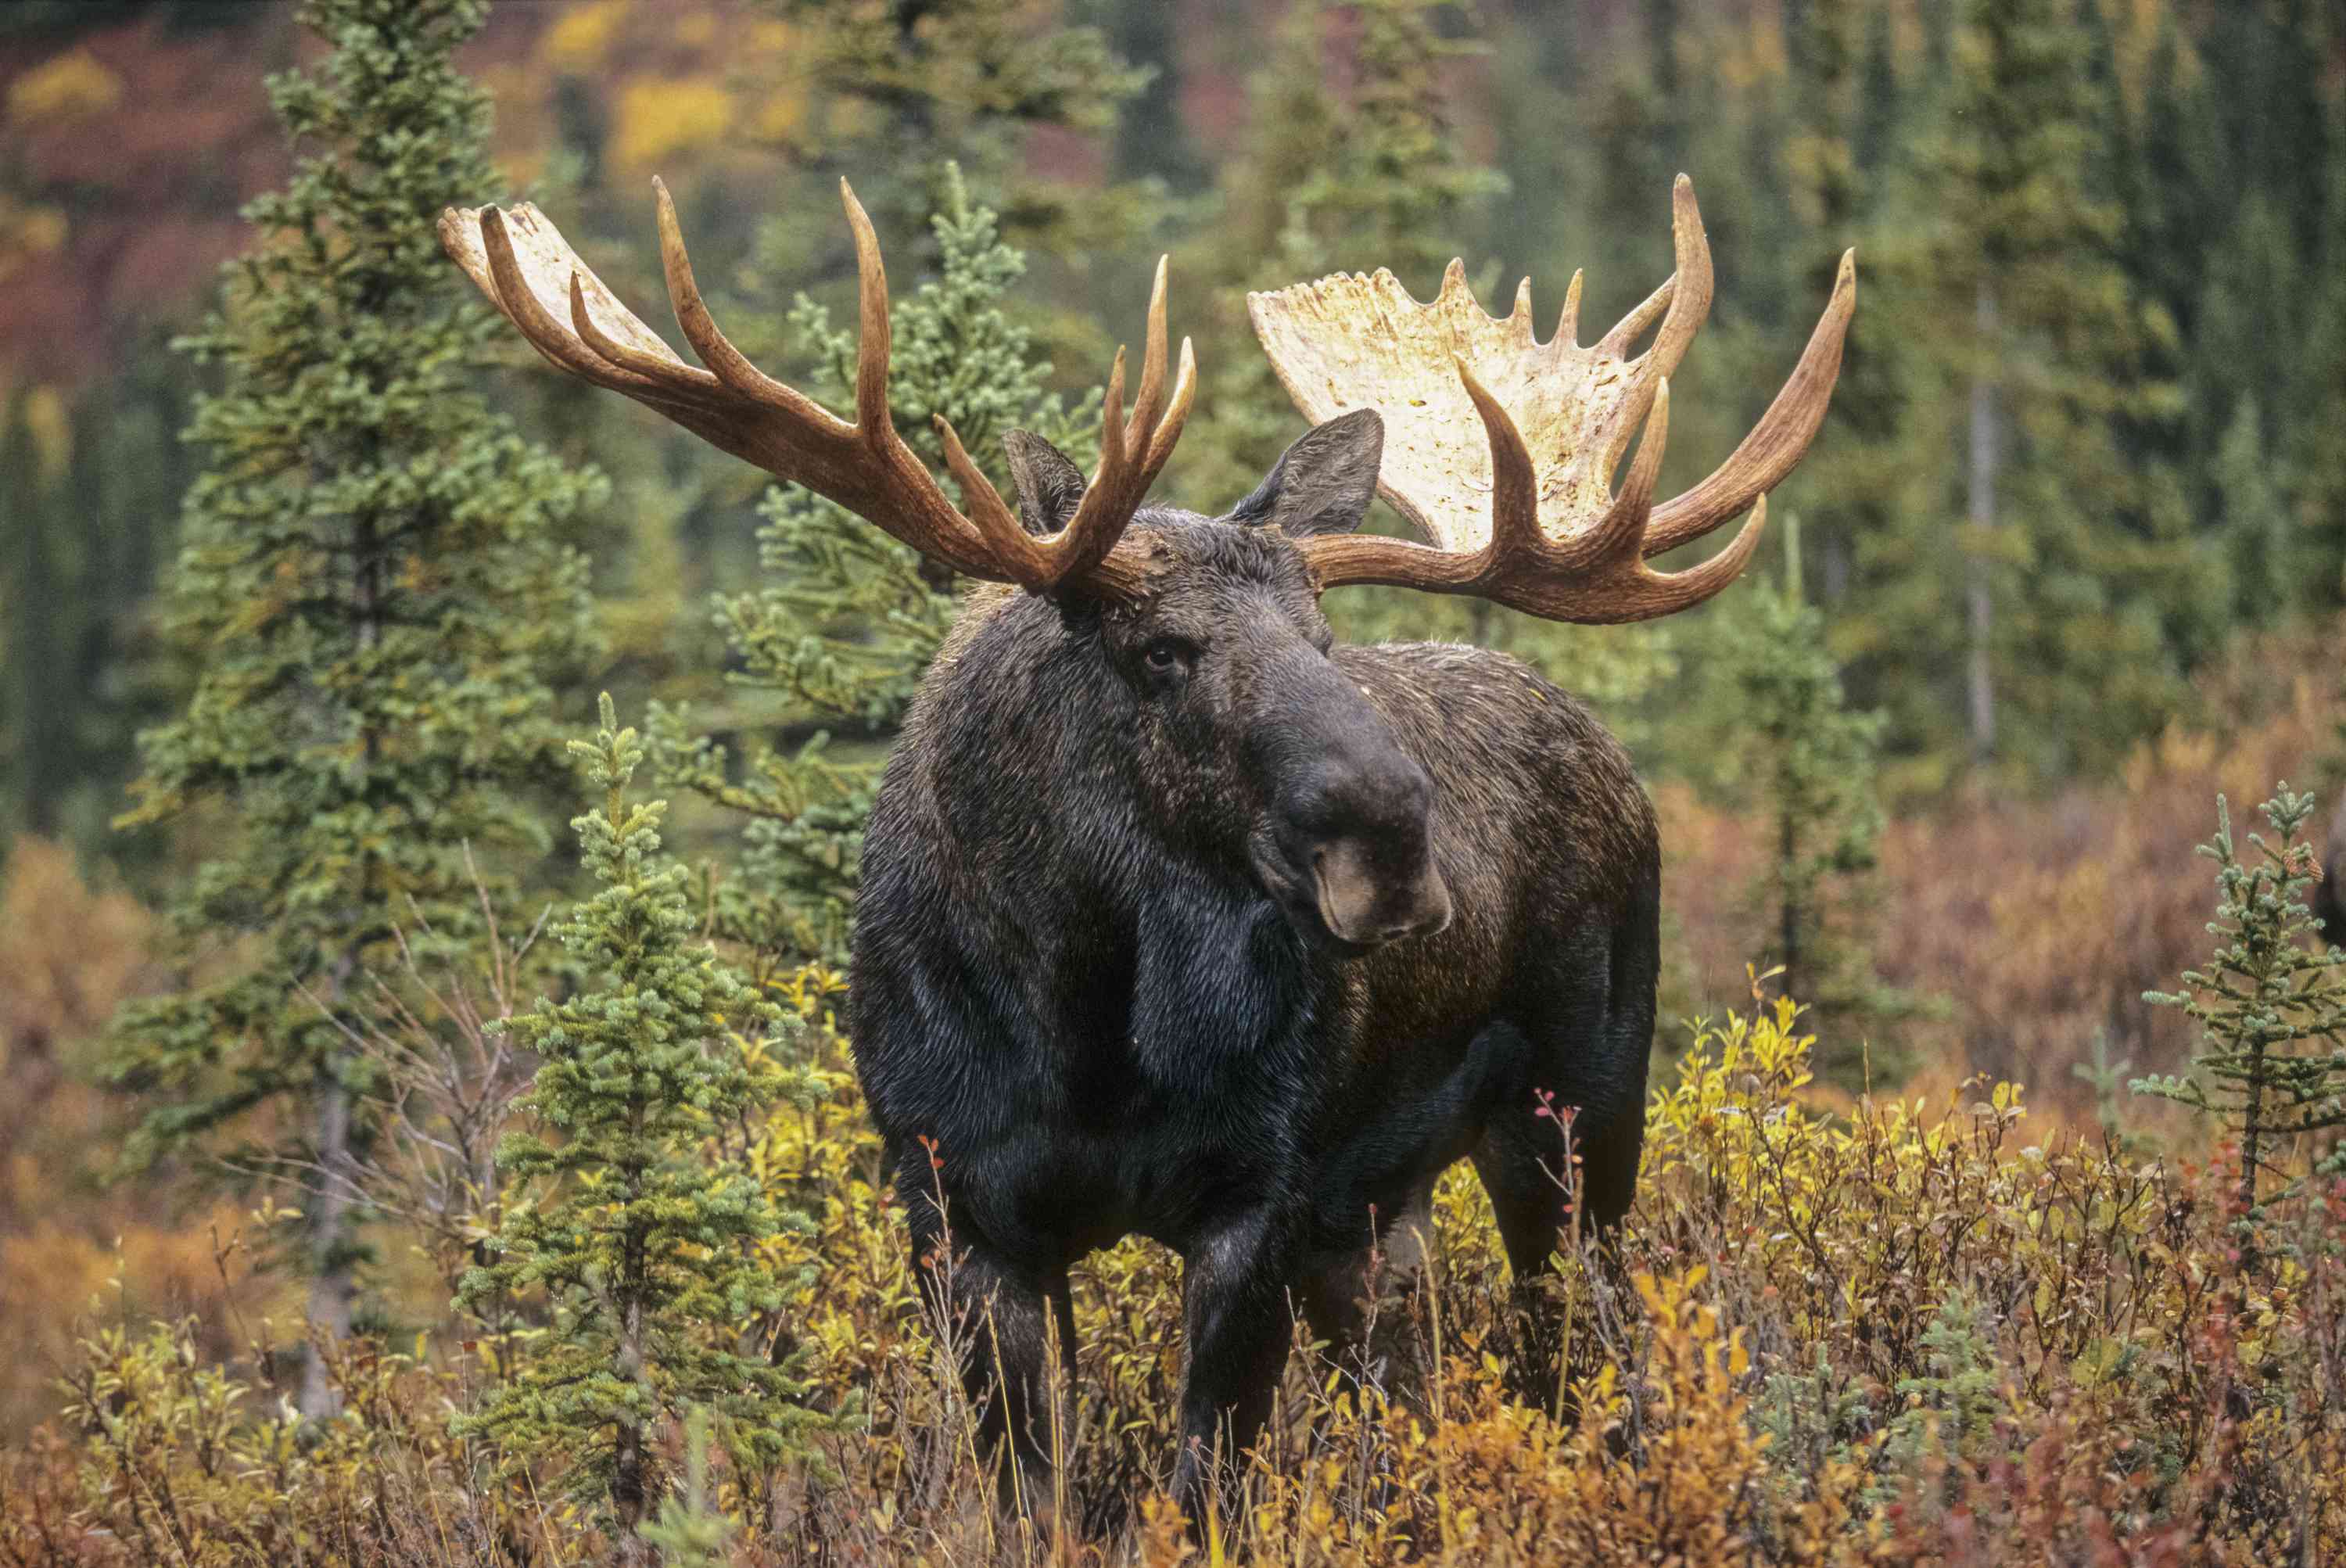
pixel 1426 925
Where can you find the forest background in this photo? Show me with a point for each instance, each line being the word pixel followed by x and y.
pixel 2068 559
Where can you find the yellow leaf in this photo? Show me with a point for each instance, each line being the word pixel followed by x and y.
pixel 70 87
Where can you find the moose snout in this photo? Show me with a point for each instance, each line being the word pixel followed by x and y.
pixel 1361 831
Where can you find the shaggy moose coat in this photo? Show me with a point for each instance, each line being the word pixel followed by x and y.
pixel 1080 1012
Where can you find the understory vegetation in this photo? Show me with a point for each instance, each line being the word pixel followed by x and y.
pixel 1919 1330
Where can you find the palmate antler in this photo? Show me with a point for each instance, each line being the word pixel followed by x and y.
pixel 532 276
pixel 1502 448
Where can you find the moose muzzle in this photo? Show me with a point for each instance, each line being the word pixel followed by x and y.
pixel 1366 898
pixel 1358 837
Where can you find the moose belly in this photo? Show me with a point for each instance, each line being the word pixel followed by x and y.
pixel 1107 1151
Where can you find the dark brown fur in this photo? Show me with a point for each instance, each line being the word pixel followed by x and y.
pixel 1095 972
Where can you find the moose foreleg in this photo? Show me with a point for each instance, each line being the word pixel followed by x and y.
pixel 999 1323
pixel 1235 1321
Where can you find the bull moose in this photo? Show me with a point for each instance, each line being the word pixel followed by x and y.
pixel 1179 918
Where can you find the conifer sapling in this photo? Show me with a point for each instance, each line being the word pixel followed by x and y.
pixel 652 1254
pixel 2268 1002
pixel 376 592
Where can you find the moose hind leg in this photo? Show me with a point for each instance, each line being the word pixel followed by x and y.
pixel 1539 1185
pixel 1364 1303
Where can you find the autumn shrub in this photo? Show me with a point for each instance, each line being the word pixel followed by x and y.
pixel 1903 1332
pixel 70 951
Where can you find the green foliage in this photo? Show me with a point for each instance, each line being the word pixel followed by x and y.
pixel 2068 590
pixel 374 593
pixel 1803 762
pixel 853 617
pixel 691 1531
pixel 958 80
pixel 2264 997
pixel 649 1252
pixel 93 481
pixel 1952 1401
pixel 1379 178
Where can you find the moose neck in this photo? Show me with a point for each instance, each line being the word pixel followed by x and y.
pixel 1031 744
pixel 1026 744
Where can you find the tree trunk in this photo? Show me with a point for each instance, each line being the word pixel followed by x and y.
pixel 334 1279
pixel 333 1283
pixel 1788 848
pixel 1980 510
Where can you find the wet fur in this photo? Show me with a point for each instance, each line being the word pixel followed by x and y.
pixel 1068 978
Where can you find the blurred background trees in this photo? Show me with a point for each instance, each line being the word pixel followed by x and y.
pixel 2072 555
pixel 2082 440
pixel 375 601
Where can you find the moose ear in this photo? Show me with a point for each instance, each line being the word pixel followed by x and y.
pixel 1049 487
pixel 1324 483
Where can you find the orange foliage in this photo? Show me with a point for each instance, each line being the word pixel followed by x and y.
pixel 70 954
pixel 2040 922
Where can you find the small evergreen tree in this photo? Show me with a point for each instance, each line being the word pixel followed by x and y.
pixel 1807 762
pixel 650 1253
pixel 2265 996
pixel 373 591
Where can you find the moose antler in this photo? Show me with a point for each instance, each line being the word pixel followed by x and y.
pixel 531 275
pixel 1522 513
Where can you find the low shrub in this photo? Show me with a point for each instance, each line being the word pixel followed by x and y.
pixel 1901 1332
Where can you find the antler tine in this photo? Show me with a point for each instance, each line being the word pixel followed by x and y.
pixel 525 269
pixel 1112 426
pixel 874 339
pixel 1686 294
pixel 716 350
pixel 1516 538
pixel 512 293
pixel 996 524
pixel 1149 402
pixel 1676 591
pixel 1619 532
pixel 1615 343
pixel 1111 498
pixel 1777 441
pixel 1690 280
pixel 1177 411
pixel 681 378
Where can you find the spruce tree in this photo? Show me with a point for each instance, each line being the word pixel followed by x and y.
pixel 840 633
pixel 373 592
pixel 649 1251
pixel 2271 1005
pixel 1327 182
pixel 2065 557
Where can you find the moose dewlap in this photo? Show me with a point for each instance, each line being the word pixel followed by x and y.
pixel 1178 918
